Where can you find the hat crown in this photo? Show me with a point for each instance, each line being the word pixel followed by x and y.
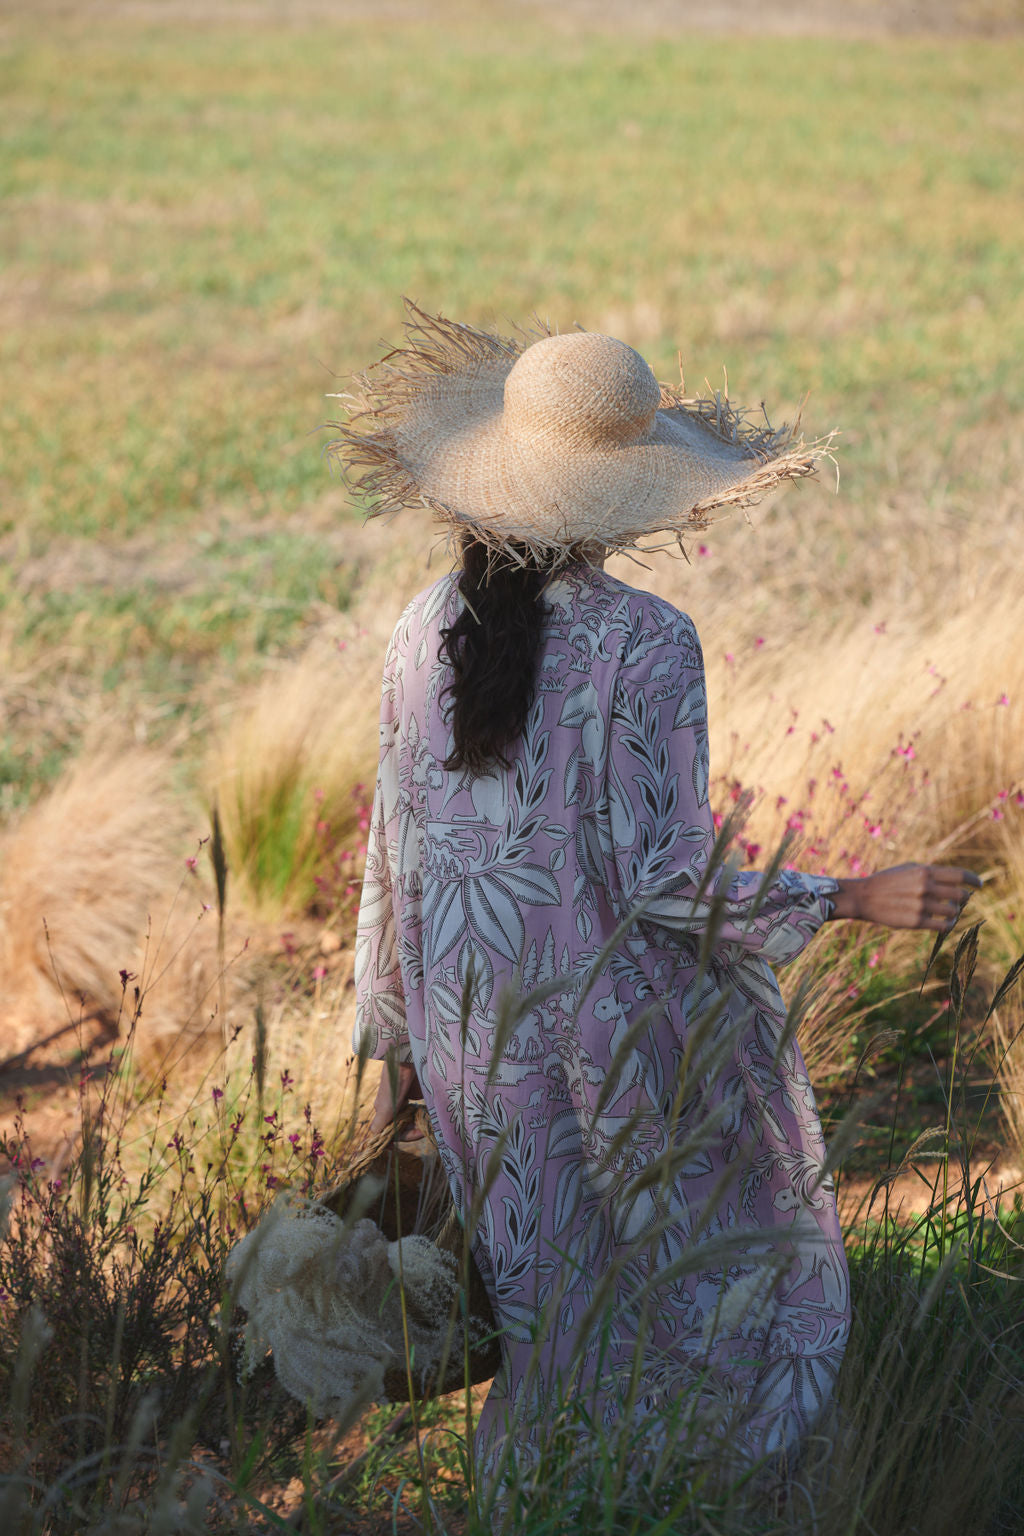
pixel 581 387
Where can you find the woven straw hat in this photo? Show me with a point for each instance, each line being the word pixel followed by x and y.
pixel 552 443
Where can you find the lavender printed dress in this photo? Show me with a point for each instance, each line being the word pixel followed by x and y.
pixel 520 878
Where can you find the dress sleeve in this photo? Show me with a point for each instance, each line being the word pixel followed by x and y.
pixel 380 1023
pixel 660 822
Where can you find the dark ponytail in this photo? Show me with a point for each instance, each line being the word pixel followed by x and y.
pixel 492 651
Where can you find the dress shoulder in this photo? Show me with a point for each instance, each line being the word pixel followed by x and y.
pixel 641 635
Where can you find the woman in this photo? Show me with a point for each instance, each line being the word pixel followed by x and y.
pixel 635 1145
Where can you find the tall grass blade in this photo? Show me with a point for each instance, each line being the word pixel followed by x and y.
pixel 1005 986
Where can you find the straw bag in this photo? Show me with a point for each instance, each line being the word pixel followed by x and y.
pixel 402 1187
pixel 368 1292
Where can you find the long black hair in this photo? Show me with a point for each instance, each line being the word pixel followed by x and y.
pixel 492 650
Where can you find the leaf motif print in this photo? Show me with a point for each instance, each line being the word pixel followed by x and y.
pixel 408 841
pixel 494 916
pixel 476 971
pixel 564 1138
pixel 532 885
pixel 444 918
pixel 579 705
pixel 530 791
pixel 692 715
pixel 568 1195
pixel 375 909
pixel 389 1013
pixel 445 1004
pixel 387 951
pixel 589 852
pixel 692 709
pixel 435 601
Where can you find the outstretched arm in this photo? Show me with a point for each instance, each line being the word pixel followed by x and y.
pixel 907 896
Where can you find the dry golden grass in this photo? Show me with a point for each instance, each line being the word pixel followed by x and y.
pixel 1008 1039
pixel 178 536
pixel 300 752
pixel 94 882
pixel 924 717
pixel 885 737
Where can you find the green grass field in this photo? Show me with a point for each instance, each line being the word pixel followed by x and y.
pixel 206 225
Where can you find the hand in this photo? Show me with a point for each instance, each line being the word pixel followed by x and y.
pixel 388 1102
pixel 908 896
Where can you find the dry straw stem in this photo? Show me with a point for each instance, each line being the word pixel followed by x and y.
pixel 91 884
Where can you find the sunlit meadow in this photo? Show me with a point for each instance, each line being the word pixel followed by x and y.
pixel 208 222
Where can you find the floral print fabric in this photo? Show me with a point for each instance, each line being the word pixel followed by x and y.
pixel 638 1049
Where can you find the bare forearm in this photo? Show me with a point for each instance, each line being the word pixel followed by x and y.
pixel 908 896
pixel 846 902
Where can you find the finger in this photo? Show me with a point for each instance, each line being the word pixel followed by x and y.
pixel 947 874
pixel 946 879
